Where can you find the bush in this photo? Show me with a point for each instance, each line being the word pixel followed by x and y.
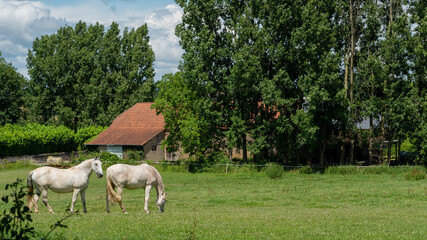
pixel 35 139
pixel 87 134
pixel 415 174
pixel 275 171
pixel 135 155
pixel 109 158
pixel 16 140
pixel 306 170
pixel 15 222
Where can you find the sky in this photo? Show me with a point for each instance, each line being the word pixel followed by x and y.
pixel 22 21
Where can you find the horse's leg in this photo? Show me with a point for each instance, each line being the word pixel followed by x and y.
pixel 83 197
pixel 75 195
pixel 147 196
pixel 44 199
pixel 108 202
pixel 119 192
pixel 36 200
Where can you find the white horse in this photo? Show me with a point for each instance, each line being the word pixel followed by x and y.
pixel 74 179
pixel 122 176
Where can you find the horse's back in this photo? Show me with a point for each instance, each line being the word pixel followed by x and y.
pixel 58 180
pixel 131 177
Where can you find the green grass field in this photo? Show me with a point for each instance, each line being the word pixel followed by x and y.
pixel 248 206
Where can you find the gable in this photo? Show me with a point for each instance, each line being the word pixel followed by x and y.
pixel 134 127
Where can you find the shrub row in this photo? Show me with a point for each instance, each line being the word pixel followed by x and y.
pixel 34 138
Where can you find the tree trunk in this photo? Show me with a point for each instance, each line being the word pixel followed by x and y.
pixel 398 152
pixel 389 151
pixel 347 59
pixel 371 135
pixel 322 154
pixel 382 139
pixel 351 87
pixel 352 30
pixel 244 148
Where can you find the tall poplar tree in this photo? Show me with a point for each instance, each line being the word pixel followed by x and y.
pixel 419 20
pixel 85 75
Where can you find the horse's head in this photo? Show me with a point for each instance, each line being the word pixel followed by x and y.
pixel 161 202
pixel 97 167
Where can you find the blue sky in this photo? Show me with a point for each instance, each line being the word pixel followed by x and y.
pixel 22 21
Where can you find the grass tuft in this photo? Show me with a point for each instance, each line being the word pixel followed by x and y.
pixel 275 171
pixel 415 174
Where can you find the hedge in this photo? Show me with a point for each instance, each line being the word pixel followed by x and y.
pixel 34 138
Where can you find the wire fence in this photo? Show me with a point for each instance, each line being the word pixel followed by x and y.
pixel 190 166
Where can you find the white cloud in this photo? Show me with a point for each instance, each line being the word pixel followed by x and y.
pixel 22 21
pixel 161 25
pixel 18 21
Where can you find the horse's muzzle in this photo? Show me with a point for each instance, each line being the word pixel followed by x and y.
pixel 100 175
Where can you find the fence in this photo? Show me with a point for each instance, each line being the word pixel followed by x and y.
pixel 226 168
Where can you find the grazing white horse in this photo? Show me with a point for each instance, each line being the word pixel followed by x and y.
pixel 74 179
pixel 122 176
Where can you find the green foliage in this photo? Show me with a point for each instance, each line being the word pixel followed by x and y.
pixel 306 170
pixel 11 93
pixel 110 158
pixel 407 146
pixel 186 116
pixel 15 222
pixel 4 165
pixel 415 174
pixel 87 134
pixel 35 139
pixel 275 171
pixel 87 75
pixel 135 155
pixel 343 170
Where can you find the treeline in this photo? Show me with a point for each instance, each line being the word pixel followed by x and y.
pixel 34 138
pixel 290 81
pixel 296 81
pixel 79 76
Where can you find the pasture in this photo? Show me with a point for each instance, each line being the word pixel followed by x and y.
pixel 247 206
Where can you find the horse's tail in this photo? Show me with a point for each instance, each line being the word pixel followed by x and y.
pixel 111 195
pixel 30 190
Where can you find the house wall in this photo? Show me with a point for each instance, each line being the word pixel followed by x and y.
pixel 153 148
pixel 102 148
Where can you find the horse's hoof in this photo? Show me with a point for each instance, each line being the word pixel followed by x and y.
pixel 125 212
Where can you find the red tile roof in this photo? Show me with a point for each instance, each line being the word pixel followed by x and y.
pixel 134 127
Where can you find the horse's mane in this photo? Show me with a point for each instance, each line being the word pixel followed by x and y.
pixel 159 180
pixel 85 162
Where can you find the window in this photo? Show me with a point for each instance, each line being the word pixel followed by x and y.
pixel 154 148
